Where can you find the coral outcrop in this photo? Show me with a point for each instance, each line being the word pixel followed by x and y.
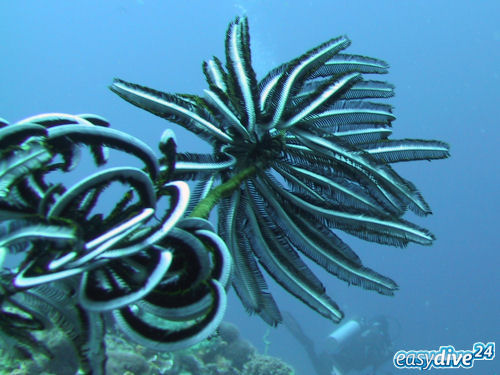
pixel 226 353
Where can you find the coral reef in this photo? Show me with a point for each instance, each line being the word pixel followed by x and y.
pixel 225 353
pixel 266 365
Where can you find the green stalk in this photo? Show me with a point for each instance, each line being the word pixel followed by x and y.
pixel 205 206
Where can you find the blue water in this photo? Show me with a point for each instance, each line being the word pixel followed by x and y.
pixel 59 56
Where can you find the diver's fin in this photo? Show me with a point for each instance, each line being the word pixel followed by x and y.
pixel 320 363
pixel 296 330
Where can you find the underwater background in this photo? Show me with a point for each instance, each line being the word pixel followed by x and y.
pixel 60 56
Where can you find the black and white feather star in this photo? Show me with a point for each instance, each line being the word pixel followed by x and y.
pixel 159 276
pixel 309 147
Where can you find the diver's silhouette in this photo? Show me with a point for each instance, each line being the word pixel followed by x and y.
pixel 355 346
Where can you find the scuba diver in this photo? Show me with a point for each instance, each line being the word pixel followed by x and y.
pixel 356 345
